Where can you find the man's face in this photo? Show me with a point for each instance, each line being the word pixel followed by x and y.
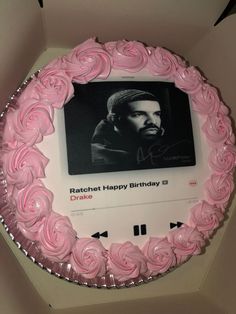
pixel 143 118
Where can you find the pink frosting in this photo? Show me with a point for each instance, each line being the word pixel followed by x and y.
pixel 206 101
pixel 186 241
pixel 88 61
pixel 205 218
pixel 29 124
pixel 54 87
pixel 188 79
pixel 159 254
pixel 29 92
pixel 223 109
pixel 88 258
pixel 217 129
pixel 58 63
pixel 57 237
pixel 223 159
pixel 23 165
pixel 219 188
pixel 126 261
pixel 163 63
pixel 33 203
pixel 131 56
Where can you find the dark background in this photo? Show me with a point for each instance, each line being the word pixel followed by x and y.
pixel 88 107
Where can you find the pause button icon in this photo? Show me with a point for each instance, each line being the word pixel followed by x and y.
pixel 139 230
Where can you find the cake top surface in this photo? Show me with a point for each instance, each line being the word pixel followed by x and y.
pixel 159 131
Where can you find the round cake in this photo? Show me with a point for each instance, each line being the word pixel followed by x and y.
pixel 116 165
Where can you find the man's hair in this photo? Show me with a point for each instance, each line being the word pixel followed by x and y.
pixel 117 102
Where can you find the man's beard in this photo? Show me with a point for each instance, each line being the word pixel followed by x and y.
pixel 150 132
pixel 132 139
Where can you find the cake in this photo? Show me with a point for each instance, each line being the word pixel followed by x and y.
pixel 102 216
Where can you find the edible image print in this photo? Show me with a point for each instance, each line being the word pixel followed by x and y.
pixel 121 126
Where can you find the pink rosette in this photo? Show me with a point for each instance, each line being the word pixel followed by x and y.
pixel 54 87
pixel 206 101
pixel 88 61
pixel 223 109
pixel 56 64
pixel 28 124
pixel 205 217
pixel 186 241
pixel 29 92
pixel 33 204
pixel 88 258
pixel 159 254
pixel 223 159
pixel 131 56
pixel 217 129
pixel 188 79
pixel 218 188
pixel 23 165
pixel 56 237
pixel 162 62
pixel 126 261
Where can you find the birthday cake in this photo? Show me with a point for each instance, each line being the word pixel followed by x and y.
pixel 116 163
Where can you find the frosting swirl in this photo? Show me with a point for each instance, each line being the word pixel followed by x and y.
pixel 217 129
pixel 29 92
pixel 23 165
pixel 88 61
pixel 188 79
pixel 159 254
pixel 58 63
pixel 54 87
pixel 131 56
pixel 186 241
pixel 223 159
pixel 126 261
pixel 163 63
pixel 223 109
pixel 206 101
pixel 57 237
pixel 29 124
pixel 219 188
pixel 33 204
pixel 88 258
pixel 205 218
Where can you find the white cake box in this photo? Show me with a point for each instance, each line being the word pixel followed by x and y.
pixel 30 37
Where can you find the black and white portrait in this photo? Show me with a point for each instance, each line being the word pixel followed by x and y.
pixel 121 126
